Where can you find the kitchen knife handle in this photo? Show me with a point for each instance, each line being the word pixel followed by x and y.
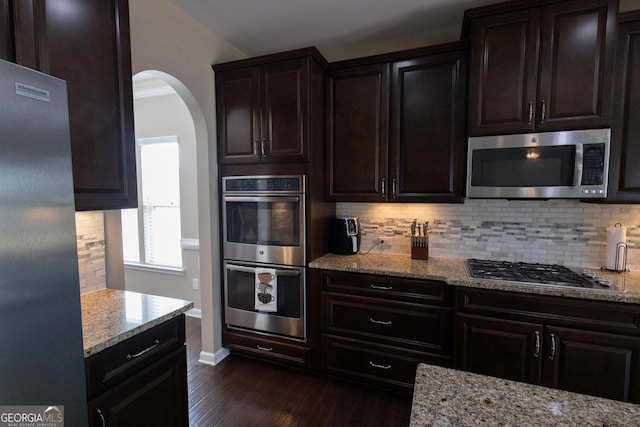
pixel 537 352
pixel 530 112
pixel 553 347
pixel 384 185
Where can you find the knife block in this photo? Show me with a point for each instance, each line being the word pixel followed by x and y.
pixel 419 248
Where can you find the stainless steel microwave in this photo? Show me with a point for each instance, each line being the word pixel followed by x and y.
pixel 565 164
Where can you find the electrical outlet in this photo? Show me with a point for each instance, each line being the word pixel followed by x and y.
pixel 196 284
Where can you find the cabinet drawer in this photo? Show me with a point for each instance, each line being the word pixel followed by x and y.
pixel 375 363
pixel 601 316
pixel 398 323
pixel 411 290
pixel 267 348
pixel 115 364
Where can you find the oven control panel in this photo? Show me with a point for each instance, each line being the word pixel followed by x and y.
pixel 263 184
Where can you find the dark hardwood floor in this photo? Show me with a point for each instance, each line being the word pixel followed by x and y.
pixel 246 392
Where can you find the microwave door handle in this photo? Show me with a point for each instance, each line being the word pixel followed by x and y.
pixel 261 199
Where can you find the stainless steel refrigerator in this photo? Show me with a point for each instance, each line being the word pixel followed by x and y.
pixel 41 353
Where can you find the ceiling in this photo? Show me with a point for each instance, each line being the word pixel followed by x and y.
pixel 338 28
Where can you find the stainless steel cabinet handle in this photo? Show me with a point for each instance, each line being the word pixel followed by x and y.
pixel 393 187
pixel 384 185
pixel 267 349
pixel 255 147
pixel 245 269
pixel 537 352
pixel 380 322
pixel 146 350
pixel 530 112
pixel 384 288
pixel 375 365
pixel 543 112
pixel 262 149
pixel 553 347
pixel 102 420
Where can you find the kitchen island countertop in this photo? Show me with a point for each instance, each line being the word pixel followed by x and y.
pixel 447 397
pixel 110 316
pixel 453 272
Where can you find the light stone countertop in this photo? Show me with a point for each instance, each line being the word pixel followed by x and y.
pixel 453 272
pixel 110 316
pixel 446 397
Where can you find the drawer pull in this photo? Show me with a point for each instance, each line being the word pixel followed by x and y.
pixel 103 422
pixel 375 365
pixel 146 350
pixel 553 347
pixel 267 349
pixel 537 352
pixel 384 288
pixel 380 322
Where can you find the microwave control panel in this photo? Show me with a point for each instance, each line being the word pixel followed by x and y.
pixel 593 164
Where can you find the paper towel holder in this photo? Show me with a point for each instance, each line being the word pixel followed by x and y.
pixel 624 247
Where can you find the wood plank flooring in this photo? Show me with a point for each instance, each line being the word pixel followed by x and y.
pixel 246 392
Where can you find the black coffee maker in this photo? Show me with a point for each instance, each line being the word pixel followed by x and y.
pixel 344 236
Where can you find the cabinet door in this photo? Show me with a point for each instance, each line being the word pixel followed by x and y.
pixel 624 173
pixel 576 64
pixel 593 363
pixel 358 111
pixel 238 110
pixel 427 152
pixel 503 73
pixel 90 49
pixel 499 348
pixel 156 396
pixel 285 112
pixel 6 35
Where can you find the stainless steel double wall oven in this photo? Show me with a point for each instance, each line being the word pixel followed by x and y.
pixel 264 228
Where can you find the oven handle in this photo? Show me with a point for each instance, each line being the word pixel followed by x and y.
pixel 261 199
pixel 244 269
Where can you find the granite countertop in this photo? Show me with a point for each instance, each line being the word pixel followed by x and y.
pixel 446 397
pixel 453 272
pixel 110 316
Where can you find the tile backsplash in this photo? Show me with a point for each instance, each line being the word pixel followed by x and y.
pixel 565 232
pixel 91 250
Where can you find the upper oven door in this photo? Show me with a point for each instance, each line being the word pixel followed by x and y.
pixel 263 228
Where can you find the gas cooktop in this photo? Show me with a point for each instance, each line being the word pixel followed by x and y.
pixel 543 274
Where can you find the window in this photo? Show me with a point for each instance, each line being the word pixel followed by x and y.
pixel 158 214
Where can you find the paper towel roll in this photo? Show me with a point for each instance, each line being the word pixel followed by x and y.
pixel 616 235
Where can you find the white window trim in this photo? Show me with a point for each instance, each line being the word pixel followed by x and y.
pixel 143 266
pixel 129 265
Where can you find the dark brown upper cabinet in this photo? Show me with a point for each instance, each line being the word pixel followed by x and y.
pixel 540 65
pixel 624 173
pixel 395 126
pixel 86 43
pixel 263 112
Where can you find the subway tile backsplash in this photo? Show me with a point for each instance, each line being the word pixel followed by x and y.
pixel 91 250
pixel 565 232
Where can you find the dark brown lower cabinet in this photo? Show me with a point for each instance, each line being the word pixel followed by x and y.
pixel 376 329
pixel 154 397
pixel 141 381
pixel 555 342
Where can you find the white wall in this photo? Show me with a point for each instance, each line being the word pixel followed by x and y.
pixel 165 39
pixel 160 116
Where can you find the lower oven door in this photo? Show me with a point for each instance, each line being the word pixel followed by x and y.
pixel 288 319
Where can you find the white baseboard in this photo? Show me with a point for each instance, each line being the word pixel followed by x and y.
pixel 194 312
pixel 213 358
